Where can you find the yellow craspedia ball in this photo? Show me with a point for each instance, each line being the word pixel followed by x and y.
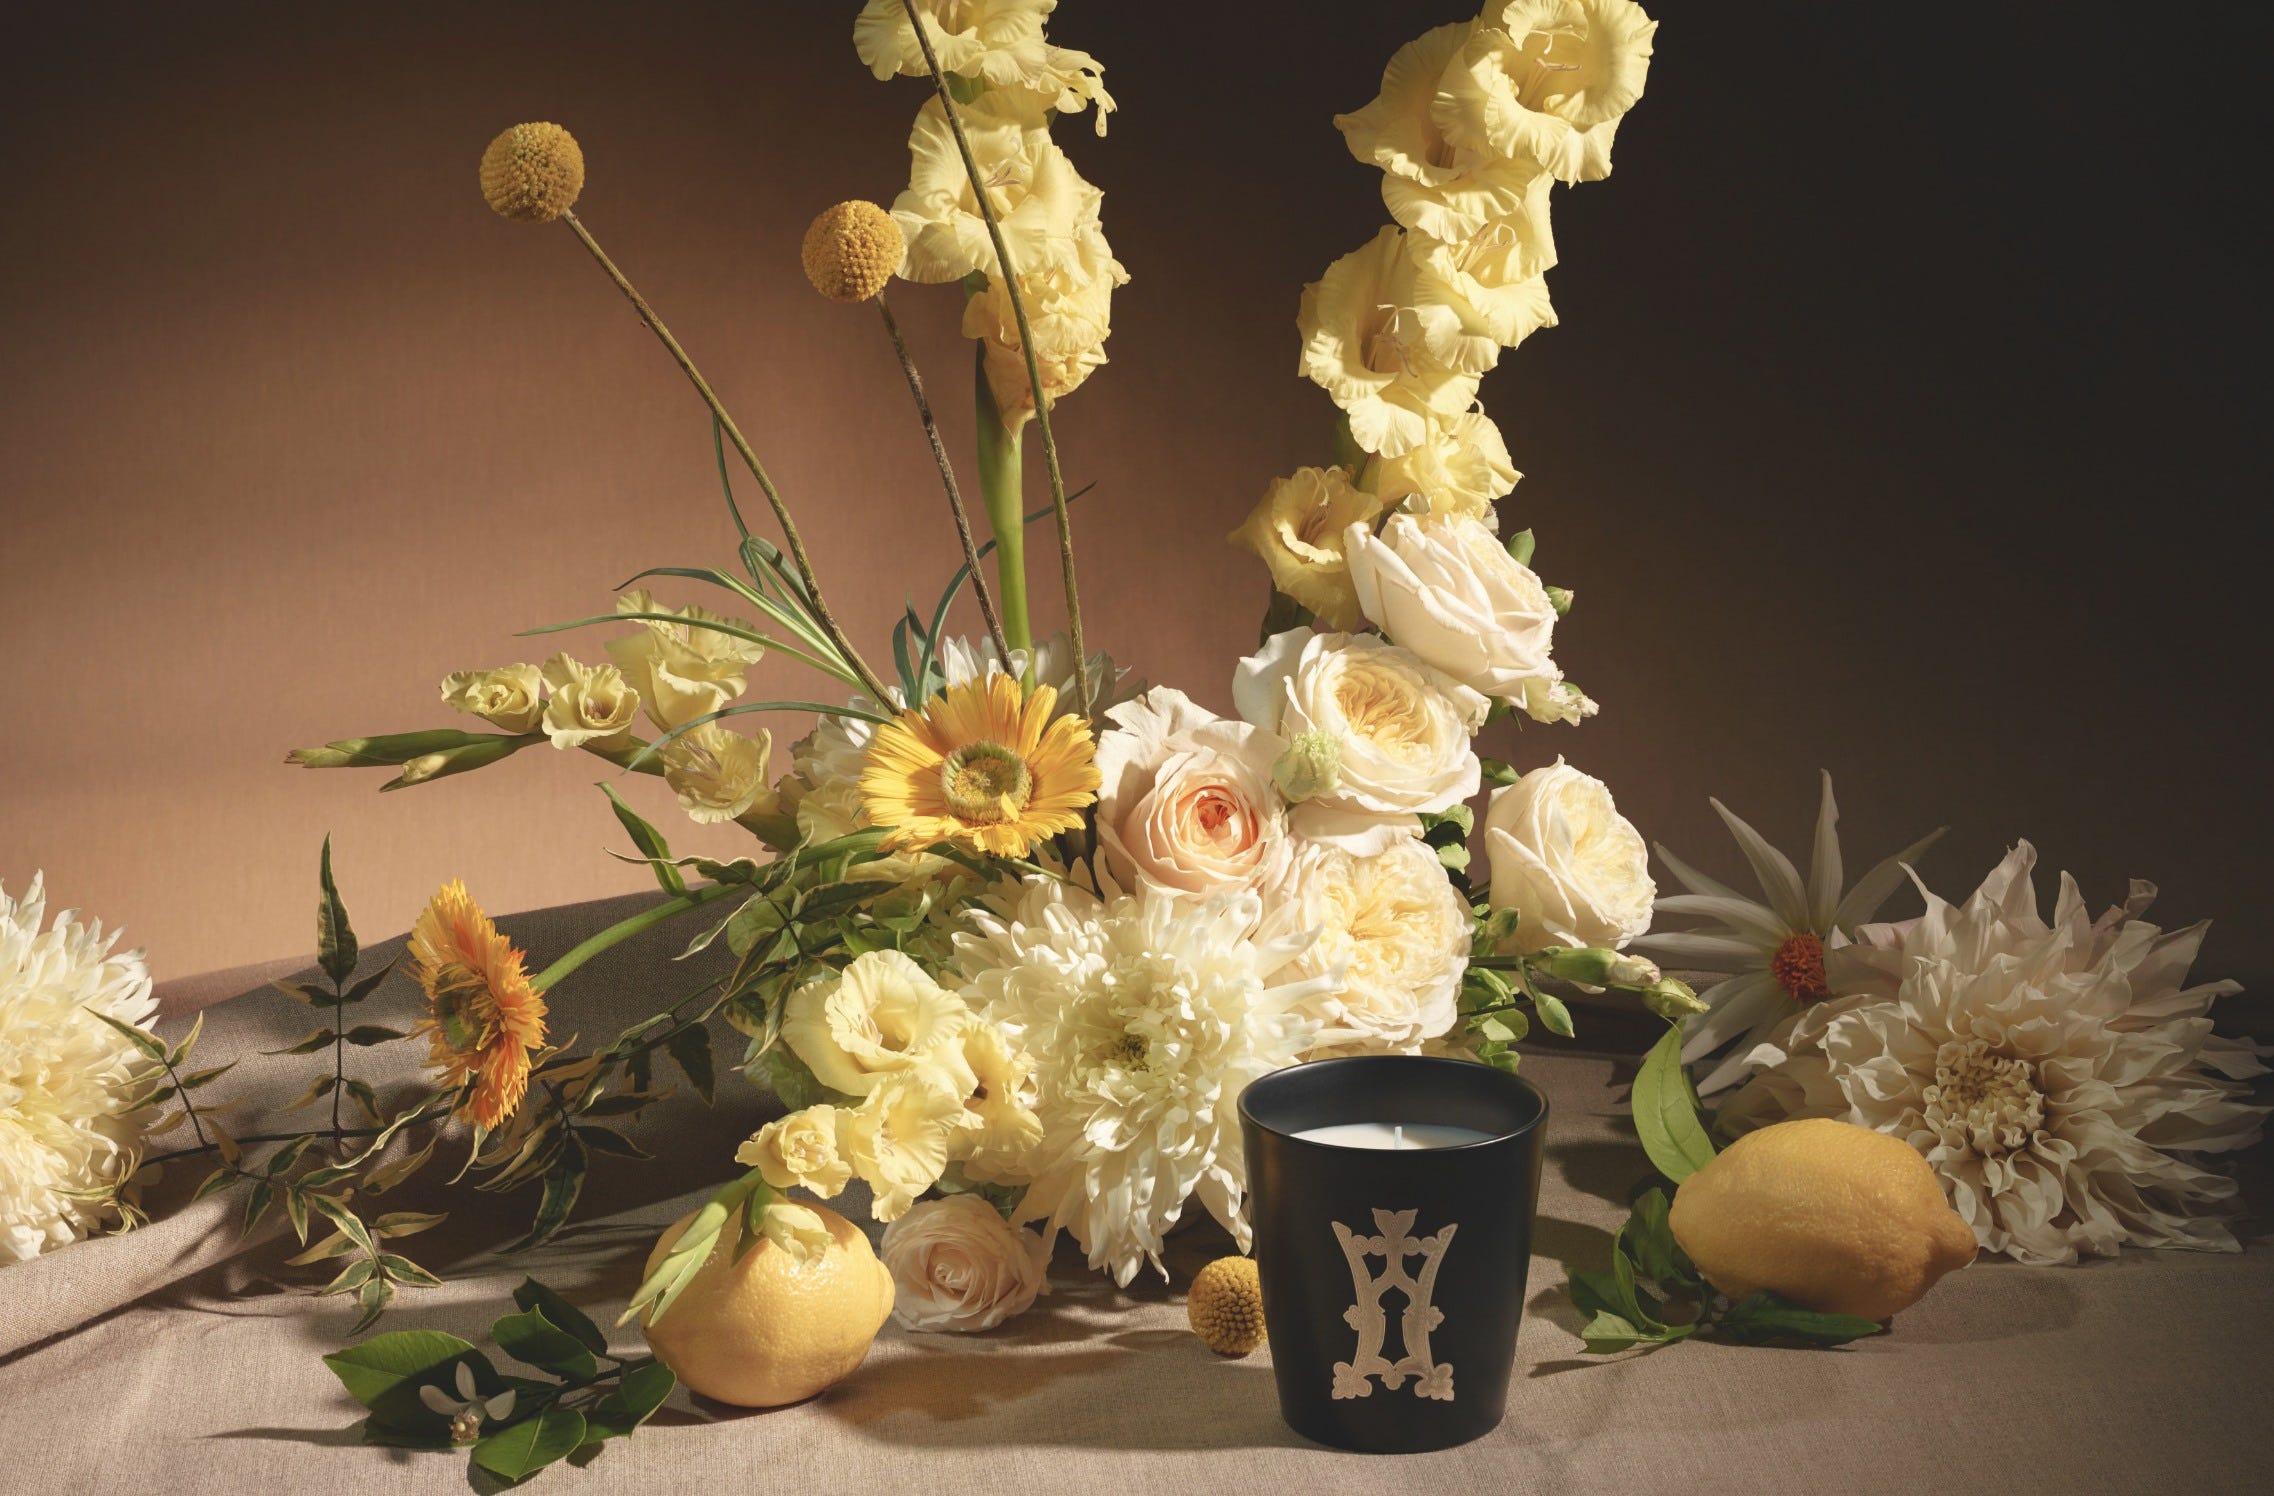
pixel 852 250
pixel 532 173
pixel 1226 1306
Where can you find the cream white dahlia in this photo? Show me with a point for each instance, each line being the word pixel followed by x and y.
pixel 1146 1018
pixel 2060 1077
pixel 1775 955
pixel 66 1077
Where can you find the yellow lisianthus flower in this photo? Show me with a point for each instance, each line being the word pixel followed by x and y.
pixel 997 42
pixel 999 1104
pixel 1379 345
pixel 981 768
pixel 511 697
pixel 1546 81
pixel 591 706
pixel 483 1017
pixel 1297 529
pixel 1069 306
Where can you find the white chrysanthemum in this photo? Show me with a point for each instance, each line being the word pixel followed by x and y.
pixel 1430 183
pixel 66 1077
pixel 1146 1019
pixel 2057 1076
pixel 1546 81
pixel 1775 955
pixel 1394 937
pixel 1393 355
pixel 1041 201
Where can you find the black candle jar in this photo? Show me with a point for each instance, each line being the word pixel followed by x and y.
pixel 1393 1279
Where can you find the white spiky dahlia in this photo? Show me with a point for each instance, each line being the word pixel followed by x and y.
pixel 1146 1018
pixel 2061 1078
pixel 66 1078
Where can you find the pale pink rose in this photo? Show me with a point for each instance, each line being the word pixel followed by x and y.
pixel 1188 806
pixel 956 1265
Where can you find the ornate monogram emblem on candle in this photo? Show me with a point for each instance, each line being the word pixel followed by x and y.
pixel 1396 1243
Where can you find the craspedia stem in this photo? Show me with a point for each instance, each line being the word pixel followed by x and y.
pixel 870 681
pixel 947 479
pixel 1010 276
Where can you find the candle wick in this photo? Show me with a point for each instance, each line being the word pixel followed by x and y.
pixel 1397 1135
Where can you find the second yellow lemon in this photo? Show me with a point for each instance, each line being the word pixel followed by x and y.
pixel 1831 1216
pixel 781 1324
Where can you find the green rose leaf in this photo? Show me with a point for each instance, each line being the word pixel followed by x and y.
pixel 1763 1316
pixel 520 1450
pixel 529 1336
pixel 538 1298
pixel 1666 1113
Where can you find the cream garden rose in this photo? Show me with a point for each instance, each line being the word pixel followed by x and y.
pixel 1392 932
pixel 1188 807
pixel 1445 588
pixel 883 1015
pixel 592 706
pixel 958 1265
pixel 718 775
pixel 1402 730
pixel 1575 870
pixel 1297 529
pixel 511 698
pixel 801 1151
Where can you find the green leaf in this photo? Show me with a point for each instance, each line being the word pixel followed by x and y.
pixel 307 992
pixel 1666 1114
pixel 189 1042
pixel 142 1039
pixel 215 1182
pixel 562 1185
pixel 336 950
pixel 529 1336
pixel 1496 772
pixel 257 1201
pixel 349 1223
pixel 520 1450
pixel 402 1223
pixel 403 1270
pixel 196 1078
pixel 374 1297
pixel 385 1372
pixel 784 1074
pixel 632 1402
pixel 351 1277
pixel 1763 1316
pixel 1521 546
pixel 1607 1333
pixel 296 1211
pixel 650 842
pixel 537 1297
pixel 1649 1238
pixel 316 1039
pixel 613 1143
pixel 368 1034
pixel 690 1049
pixel 369 984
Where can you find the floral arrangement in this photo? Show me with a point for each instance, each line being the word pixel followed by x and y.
pixel 1017 930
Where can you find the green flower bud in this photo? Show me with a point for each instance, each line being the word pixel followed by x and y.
pixel 1592 967
pixel 1672 999
pixel 1311 767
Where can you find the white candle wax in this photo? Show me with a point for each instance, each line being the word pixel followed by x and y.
pixel 1393 1135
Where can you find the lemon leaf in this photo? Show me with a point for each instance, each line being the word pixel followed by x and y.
pixel 1666 1112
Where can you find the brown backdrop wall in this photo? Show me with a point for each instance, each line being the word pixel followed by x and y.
pixel 1896 424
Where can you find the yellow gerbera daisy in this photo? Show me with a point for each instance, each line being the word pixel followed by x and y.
pixel 483 1016
pixel 981 767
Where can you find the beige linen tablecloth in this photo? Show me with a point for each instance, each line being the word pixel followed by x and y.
pixel 183 1359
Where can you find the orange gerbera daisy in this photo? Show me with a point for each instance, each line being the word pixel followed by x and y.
pixel 483 1017
pixel 983 766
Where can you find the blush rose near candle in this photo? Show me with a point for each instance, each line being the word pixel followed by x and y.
pixel 956 1264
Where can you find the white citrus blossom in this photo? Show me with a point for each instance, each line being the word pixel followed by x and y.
pixel 1188 807
pixel 66 1077
pixel 1402 731
pixel 2062 1078
pixel 1146 1018
pixel 1459 467
pixel 1430 183
pixel 1391 354
pixel 1546 81
pixel 1444 587
pixel 1778 954
pixel 1573 868
pixel 957 1265
pixel 1041 202
pixel 1393 936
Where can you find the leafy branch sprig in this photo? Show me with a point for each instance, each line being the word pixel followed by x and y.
pixel 427 1390
pixel 1654 1295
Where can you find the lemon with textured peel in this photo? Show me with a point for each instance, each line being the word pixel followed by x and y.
pixel 789 1319
pixel 1831 1216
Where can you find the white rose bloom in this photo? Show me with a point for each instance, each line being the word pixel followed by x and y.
pixel 1402 728
pixel 1444 587
pixel 957 1265
pixel 65 1076
pixel 591 706
pixel 1392 933
pixel 1566 861
pixel 718 775
pixel 1146 1018
pixel 1188 806
pixel 2062 1078
pixel 512 698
